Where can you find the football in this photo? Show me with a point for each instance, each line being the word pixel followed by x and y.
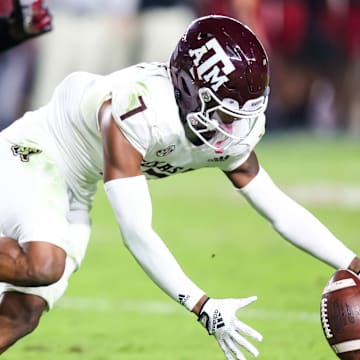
pixel 340 314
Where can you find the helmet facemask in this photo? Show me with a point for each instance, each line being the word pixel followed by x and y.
pixel 223 123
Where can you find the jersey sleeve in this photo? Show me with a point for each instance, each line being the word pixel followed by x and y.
pixel 131 112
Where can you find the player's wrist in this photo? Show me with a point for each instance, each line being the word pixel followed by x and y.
pixel 199 305
pixel 355 265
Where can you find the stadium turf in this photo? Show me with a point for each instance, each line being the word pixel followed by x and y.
pixel 113 311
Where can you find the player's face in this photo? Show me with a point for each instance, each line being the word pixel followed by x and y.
pixel 225 112
pixel 225 118
pixel 223 123
pixel 234 126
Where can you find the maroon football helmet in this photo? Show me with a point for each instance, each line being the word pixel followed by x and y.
pixel 220 71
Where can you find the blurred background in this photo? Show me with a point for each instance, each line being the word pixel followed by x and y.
pixel 313 47
pixel 314 52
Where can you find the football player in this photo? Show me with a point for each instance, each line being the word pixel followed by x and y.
pixel 205 108
pixel 29 18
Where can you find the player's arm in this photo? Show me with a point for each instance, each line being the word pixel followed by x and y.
pixel 289 218
pixel 128 194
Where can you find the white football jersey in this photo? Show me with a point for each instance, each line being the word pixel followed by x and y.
pixel 144 108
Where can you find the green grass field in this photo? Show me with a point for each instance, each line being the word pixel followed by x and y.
pixel 113 311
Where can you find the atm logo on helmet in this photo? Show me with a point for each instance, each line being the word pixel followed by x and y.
pixel 215 68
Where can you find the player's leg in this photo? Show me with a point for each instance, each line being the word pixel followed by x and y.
pixel 21 307
pixel 32 264
pixel 33 209
pixel 35 206
pixel 19 315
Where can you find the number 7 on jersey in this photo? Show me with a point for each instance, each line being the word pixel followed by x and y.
pixel 136 110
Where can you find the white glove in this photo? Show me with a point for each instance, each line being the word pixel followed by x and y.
pixel 219 318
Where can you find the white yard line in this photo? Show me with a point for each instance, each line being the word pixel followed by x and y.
pixel 326 194
pixel 165 308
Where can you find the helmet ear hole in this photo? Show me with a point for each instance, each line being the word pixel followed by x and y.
pixel 205 94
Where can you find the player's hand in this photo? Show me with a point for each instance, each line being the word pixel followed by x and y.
pixel 355 265
pixel 219 318
pixel 30 20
